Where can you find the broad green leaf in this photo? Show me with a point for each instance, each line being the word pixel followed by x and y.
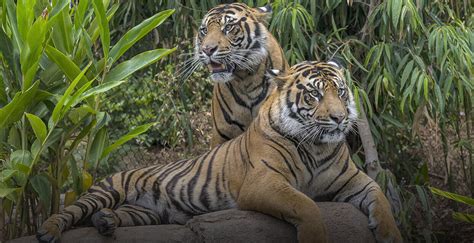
pixel 32 50
pixel 80 13
pixel 25 16
pixel 5 192
pixel 58 110
pixel 137 33
pixel 102 88
pixel 6 174
pixel 65 64
pixel 35 147
pixel 57 8
pixel 39 128
pixel 76 97
pixel 20 102
pixel 126 68
pixel 3 94
pixel 11 13
pixel 453 196
pixel 62 34
pixel 42 186
pixel 98 145
pixel 99 10
pixel 77 114
pixel 21 160
pixel 135 132
pixel 87 180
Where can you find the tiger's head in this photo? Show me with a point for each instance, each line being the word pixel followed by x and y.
pixel 315 102
pixel 232 37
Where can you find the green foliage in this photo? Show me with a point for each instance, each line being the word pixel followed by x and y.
pixel 140 102
pixel 56 62
pixel 406 60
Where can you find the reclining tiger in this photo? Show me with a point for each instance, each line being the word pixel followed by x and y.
pixel 293 152
pixel 236 46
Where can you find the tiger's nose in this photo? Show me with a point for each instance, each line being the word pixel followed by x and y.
pixel 209 50
pixel 337 117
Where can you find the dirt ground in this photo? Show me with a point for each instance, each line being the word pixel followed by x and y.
pixel 443 225
pixel 456 163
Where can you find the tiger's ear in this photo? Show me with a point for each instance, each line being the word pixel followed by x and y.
pixel 336 63
pixel 263 14
pixel 276 76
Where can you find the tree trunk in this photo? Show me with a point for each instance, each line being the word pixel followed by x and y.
pixel 372 162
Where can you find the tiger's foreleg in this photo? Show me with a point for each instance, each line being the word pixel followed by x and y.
pixel 102 195
pixel 366 195
pixel 274 196
pixel 107 220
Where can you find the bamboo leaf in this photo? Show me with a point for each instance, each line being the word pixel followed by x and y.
pixel 464 217
pixel 453 196
pixel 406 73
pixel 396 10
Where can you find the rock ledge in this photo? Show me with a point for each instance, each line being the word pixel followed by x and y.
pixel 343 222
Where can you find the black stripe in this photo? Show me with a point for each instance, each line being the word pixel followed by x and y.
pixel 347 182
pixel 344 169
pixel 227 116
pixel 193 182
pixel 329 157
pixel 347 199
pixel 286 161
pixel 365 197
pixel 204 197
pixel 277 171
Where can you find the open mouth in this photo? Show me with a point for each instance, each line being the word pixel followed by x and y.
pixel 215 67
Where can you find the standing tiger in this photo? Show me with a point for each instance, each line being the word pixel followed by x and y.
pixel 235 44
pixel 293 152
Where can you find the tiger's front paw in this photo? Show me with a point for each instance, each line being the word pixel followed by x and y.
pixel 387 231
pixel 49 230
pixel 105 221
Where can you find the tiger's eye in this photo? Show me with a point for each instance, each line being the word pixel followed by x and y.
pixel 228 28
pixel 203 30
pixel 315 94
pixel 341 91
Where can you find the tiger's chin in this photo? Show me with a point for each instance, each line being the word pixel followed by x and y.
pixel 331 137
pixel 222 77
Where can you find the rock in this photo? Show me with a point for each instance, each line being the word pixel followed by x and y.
pixel 343 221
pixel 241 226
